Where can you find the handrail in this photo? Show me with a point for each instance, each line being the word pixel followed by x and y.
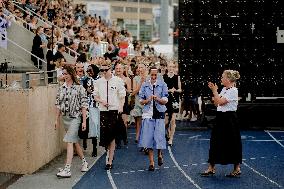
pixel 42 19
pixel 76 54
pixel 22 20
pixel 38 59
pixel 69 50
pixel 15 4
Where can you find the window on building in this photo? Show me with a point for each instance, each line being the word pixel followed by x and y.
pixel 131 9
pixel 146 10
pixel 142 1
pixel 117 9
pixel 145 32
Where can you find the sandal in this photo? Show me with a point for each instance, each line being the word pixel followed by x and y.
pixel 108 166
pixel 146 151
pixel 151 168
pixel 234 174
pixel 207 173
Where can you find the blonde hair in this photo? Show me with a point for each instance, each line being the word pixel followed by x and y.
pixel 232 75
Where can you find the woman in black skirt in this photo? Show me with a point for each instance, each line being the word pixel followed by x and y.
pixel 174 85
pixel 225 142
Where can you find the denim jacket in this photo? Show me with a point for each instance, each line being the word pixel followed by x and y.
pixel 160 90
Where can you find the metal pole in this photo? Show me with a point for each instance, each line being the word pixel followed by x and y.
pixel 164 23
pixel 138 20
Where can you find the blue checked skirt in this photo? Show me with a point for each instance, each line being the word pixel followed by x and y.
pixel 94 122
pixel 152 134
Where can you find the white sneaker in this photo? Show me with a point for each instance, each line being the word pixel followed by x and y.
pixel 85 167
pixel 65 173
pixel 194 118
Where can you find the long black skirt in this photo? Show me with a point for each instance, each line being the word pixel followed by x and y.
pixel 225 142
pixel 108 130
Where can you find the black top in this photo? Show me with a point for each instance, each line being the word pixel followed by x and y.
pixel 49 58
pixel 36 49
pixel 171 81
pixel 58 55
pixel 173 97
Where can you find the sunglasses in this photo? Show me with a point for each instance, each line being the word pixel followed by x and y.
pixel 89 70
pixel 104 70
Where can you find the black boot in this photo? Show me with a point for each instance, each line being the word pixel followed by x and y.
pixel 85 144
pixel 95 151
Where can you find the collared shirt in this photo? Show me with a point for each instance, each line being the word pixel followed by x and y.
pixel 231 95
pixel 112 91
pixel 81 79
pixel 147 90
pixel 71 100
pixel 91 84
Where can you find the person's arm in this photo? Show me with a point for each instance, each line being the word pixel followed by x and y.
pixel 128 85
pixel 179 90
pixel 84 106
pixel 216 97
pixel 97 95
pixel 57 110
pixel 57 116
pixel 84 117
pixel 164 97
pixel 121 95
pixel 137 86
pixel 142 96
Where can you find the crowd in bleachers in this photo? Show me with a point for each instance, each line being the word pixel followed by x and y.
pixel 83 34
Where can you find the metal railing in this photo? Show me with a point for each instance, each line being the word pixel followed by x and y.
pixel 26 78
pixel 22 20
pixel 104 45
pixel 69 51
pixel 28 11
pixel 14 43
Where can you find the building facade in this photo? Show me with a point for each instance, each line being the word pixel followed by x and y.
pixel 140 17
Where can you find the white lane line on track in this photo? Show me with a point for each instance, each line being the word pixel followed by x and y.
pixel 277 141
pixel 110 177
pixel 273 131
pixel 184 165
pixel 180 169
pixel 251 140
pixel 262 175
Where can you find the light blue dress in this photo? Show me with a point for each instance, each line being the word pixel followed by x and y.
pixel 152 133
pixel 94 114
pixel 137 110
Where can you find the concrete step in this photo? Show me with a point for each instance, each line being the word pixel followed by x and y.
pixel 17 63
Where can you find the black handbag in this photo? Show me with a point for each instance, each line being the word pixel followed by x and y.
pixel 83 134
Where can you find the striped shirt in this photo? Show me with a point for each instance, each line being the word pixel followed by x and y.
pixel 71 100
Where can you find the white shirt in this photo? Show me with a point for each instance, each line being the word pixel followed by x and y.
pixel 231 95
pixel 112 91
pixel 150 113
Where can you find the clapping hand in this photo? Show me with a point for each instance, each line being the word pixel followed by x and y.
pixel 212 86
pixel 172 90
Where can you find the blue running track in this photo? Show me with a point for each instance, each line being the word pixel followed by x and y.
pixel 262 168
